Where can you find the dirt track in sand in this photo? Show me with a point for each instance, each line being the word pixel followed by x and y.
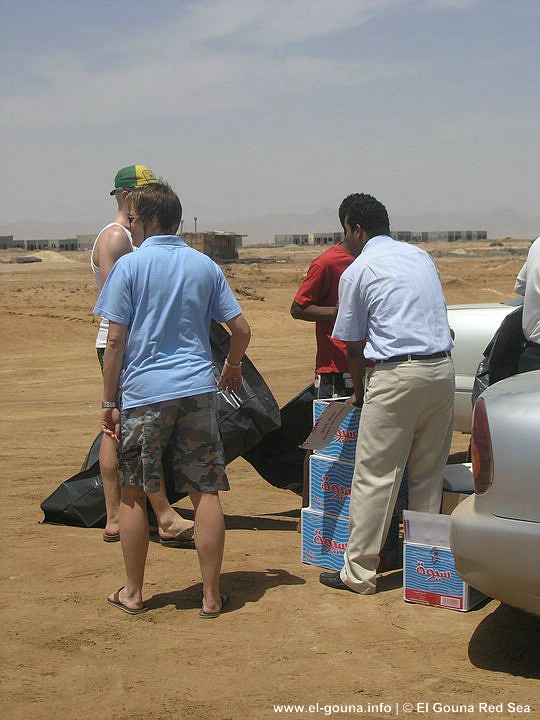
pixel 286 639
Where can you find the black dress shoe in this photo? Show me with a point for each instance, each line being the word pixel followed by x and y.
pixel 333 580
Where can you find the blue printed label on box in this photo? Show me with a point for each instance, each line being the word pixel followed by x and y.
pixel 330 485
pixel 325 538
pixel 343 445
pixel 430 578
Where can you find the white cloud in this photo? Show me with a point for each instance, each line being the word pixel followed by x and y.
pixel 226 90
pixel 176 72
pixel 277 22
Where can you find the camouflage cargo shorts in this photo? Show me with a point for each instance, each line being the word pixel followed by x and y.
pixel 188 429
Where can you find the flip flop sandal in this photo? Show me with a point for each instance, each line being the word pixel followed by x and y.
pixel 209 615
pixel 111 537
pixel 115 602
pixel 183 539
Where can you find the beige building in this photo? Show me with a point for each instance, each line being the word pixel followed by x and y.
pixel 217 245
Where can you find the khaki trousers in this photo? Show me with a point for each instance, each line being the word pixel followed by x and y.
pixel 407 416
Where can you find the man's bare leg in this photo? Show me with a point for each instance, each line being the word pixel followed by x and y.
pixel 134 540
pixel 209 541
pixel 170 523
pixel 108 465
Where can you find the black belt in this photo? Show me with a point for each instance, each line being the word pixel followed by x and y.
pixel 532 344
pixel 404 358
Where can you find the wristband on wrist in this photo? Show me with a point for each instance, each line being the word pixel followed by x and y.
pixel 109 405
pixel 230 365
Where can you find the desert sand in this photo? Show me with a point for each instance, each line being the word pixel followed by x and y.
pixel 286 639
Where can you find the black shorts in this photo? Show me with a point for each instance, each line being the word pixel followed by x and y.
pixel 333 385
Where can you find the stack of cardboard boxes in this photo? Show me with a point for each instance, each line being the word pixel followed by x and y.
pixel 429 573
pixel 325 523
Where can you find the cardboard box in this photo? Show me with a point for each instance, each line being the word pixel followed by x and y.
pixel 326 425
pixel 343 445
pixel 429 573
pixel 325 537
pixel 330 485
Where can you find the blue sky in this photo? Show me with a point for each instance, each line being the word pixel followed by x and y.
pixel 252 107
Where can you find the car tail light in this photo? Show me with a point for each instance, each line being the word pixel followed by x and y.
pixel 481 452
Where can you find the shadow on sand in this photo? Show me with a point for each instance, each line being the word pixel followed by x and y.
pixel 507 641
pixel 242 587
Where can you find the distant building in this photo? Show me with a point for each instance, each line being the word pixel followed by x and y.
pixel 294 239
pixel 439 235
pixel 328 238
pixel 41 244
pixel 217 245
pixel 316 238
pixel 7 242
pixel 37 244
pixel 402 235
pixel 332 238
pixel 63 245
pixel 86 242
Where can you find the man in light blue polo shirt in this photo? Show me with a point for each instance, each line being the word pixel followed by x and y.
pixel 392 317
pixel 159 302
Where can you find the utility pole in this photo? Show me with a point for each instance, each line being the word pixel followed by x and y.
pixel 195 224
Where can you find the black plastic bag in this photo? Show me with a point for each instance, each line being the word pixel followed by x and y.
pixel 277 457
pixel 506 347
pixel 77 501
pixel 248 415
pixel 481 380
pixel 501 356
pixel 243 419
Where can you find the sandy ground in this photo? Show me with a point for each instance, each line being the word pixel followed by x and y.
pixel 286 638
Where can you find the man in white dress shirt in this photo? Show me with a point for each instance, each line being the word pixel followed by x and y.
pixel 392 317
pixel 528 284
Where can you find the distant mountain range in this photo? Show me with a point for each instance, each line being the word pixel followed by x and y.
pixel 499 223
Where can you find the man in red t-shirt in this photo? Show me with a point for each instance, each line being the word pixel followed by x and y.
pixel 316 301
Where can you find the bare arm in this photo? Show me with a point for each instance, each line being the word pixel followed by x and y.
pixel 231 375
pixel 112 367
pixel 112 244
pixel 313 313
pixel 357 366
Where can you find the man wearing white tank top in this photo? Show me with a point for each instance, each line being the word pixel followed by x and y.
pixel 113 241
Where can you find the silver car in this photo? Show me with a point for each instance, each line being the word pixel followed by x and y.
pixel 473 326
pixel 495 534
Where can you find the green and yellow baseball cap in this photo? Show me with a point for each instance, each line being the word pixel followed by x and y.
pixel 133 176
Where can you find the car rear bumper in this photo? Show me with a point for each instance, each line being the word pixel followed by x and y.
pixel 499 556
